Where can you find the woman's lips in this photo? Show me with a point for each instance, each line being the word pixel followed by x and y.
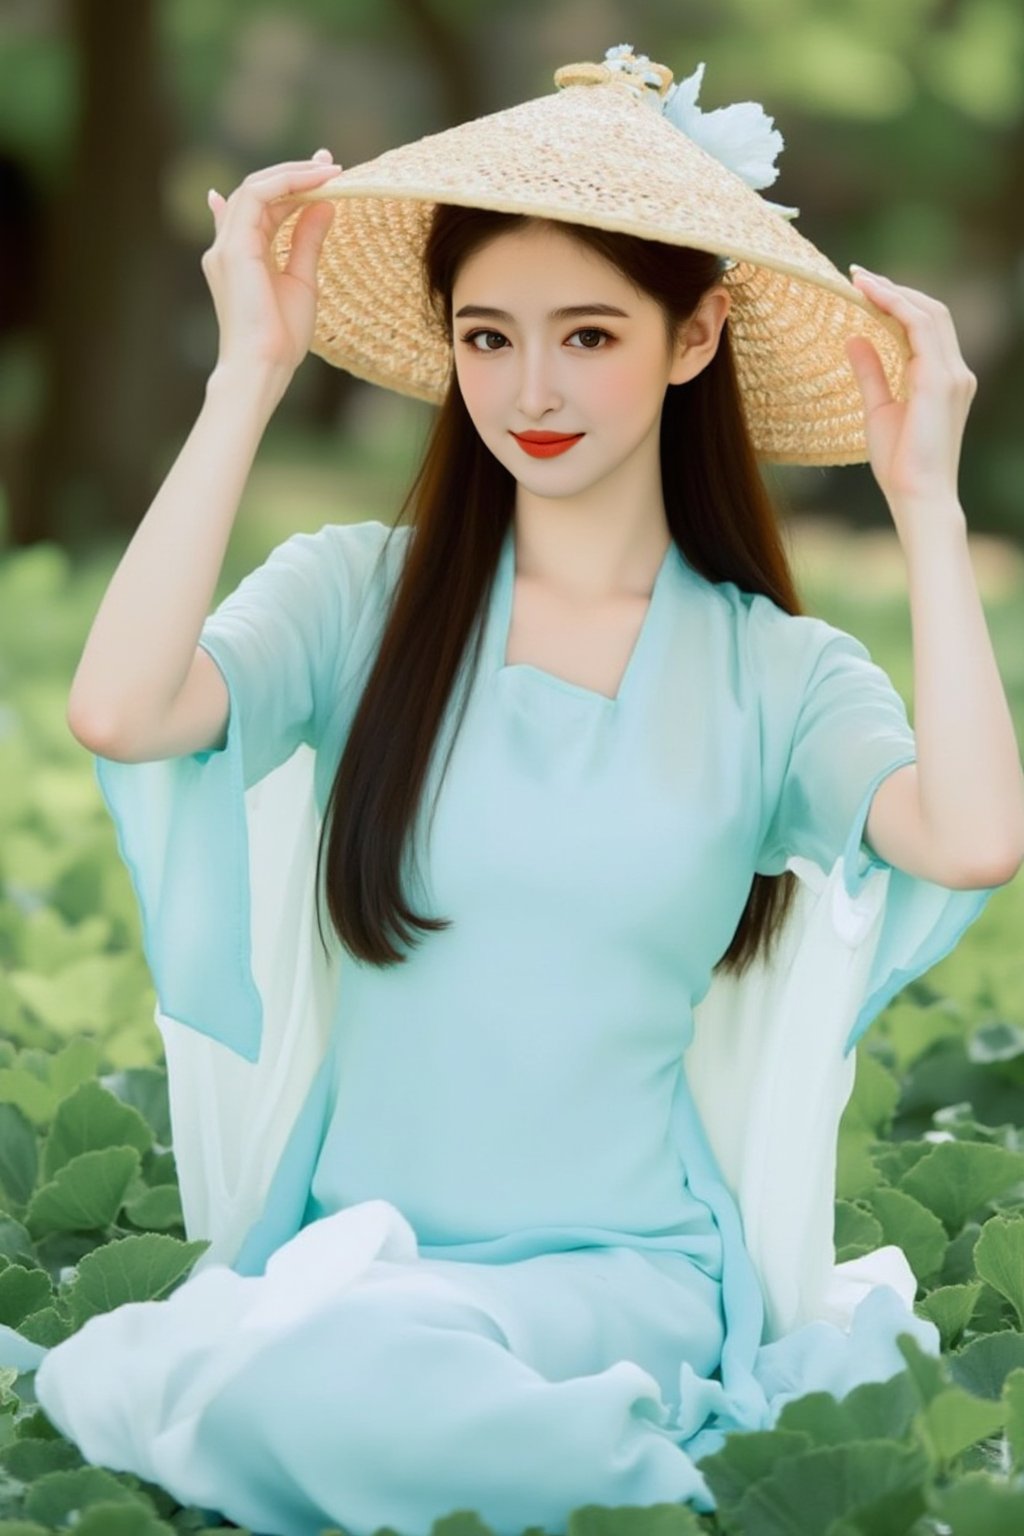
pixel 546 448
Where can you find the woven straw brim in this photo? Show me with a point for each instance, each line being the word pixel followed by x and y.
pixel 599 155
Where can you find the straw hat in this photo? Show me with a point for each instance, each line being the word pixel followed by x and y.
pixel 619 146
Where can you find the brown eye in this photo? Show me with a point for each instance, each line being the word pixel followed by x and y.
pixel 591 330
pixel 471 338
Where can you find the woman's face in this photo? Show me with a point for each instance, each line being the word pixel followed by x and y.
pixel 602 374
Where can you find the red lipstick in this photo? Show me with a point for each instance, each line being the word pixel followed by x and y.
pixel 544 445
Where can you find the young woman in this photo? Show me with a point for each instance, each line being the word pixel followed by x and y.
pixel 519 1178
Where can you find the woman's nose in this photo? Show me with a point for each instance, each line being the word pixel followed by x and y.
pixel 538 389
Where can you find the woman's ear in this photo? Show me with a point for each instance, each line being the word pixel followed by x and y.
pixel 698 338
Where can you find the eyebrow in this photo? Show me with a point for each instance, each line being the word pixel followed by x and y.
pixel 568 312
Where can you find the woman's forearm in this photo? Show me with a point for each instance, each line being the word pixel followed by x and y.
pixel 143 639
pixel 970 778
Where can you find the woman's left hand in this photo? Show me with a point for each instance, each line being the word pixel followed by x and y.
pixel 914 447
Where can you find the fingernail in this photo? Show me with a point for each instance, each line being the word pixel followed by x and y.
pixel 872 277
pixel 321 153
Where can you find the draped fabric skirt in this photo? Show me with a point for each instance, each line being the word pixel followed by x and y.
pixel 357 1382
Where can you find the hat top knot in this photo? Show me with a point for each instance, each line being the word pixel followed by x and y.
pixel 621 66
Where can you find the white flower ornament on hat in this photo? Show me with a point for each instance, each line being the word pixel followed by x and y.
pixel 742 136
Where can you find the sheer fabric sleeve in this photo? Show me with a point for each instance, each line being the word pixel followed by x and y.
pixel 287 641
pixel 833 727
pixel 278 641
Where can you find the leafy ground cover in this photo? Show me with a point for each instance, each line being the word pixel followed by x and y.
pixel 931 1156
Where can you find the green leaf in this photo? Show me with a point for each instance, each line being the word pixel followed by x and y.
pixel 856 1231
pixel 893 1159
pixel 914 1028
pixel 155 1209
pixel 16 1241
pixel 956 1419
pixel 48 1326
pixel 86 1193
pixel 979 1505
pixel 956 1179
pixel 55 1497
pixel 875 1095
pixel 945 1076
pixel 949 1307
pixel 1001 1040
pixel 874 1410
pixel 109 1519
pixel 983 1365
pixel 958 1266
pixel 745 1458
pixel 38 1081
pixel 929 1376
pixel 912 1227
pixel 22 1291
pixel 29 1460
pixel 143 1268
pixel 594 1520
pixel 817 1415
pixel 89 1120
pixel 873 1482
pixel 19 1154
pixel 856 1171
pixel 1013 1397
pixel 159 1168
pixel 878 1410
pixel 72 998
pixel 34 1098
pixel 992 1312
pixel 145 1089
pixel 999 1257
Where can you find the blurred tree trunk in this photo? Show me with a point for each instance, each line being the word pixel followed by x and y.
pixel 449 56
pixel 442 43
pixel 106 321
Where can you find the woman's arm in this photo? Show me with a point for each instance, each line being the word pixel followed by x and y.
pixel 969 779
pixel 969 800
pixel 142 643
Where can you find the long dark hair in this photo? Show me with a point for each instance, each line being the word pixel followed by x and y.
pixel 460 504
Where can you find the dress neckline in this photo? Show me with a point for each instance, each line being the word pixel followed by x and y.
pixel 504 592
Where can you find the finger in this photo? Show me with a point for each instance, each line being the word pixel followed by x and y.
pixel 945 326
pixel 869 373
pixel 928 323
pixel 217 204
pixel 275 213
pixel 307 238
pixel 253 194
pixel 323 157
pixel 943 321
pixel 248 204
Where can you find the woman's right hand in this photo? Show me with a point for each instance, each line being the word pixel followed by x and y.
pixel 267 316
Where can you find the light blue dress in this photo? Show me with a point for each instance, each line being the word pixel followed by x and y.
pixel 560 1309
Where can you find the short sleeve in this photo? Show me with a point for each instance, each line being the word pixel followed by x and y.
pixel 833 726
pixel 278 640
pixel 837 726
pixel 292 641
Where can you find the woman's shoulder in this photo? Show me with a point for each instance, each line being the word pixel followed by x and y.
pixel 345 565
pixel 781 652
pixel 362 549
pixel 766 628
